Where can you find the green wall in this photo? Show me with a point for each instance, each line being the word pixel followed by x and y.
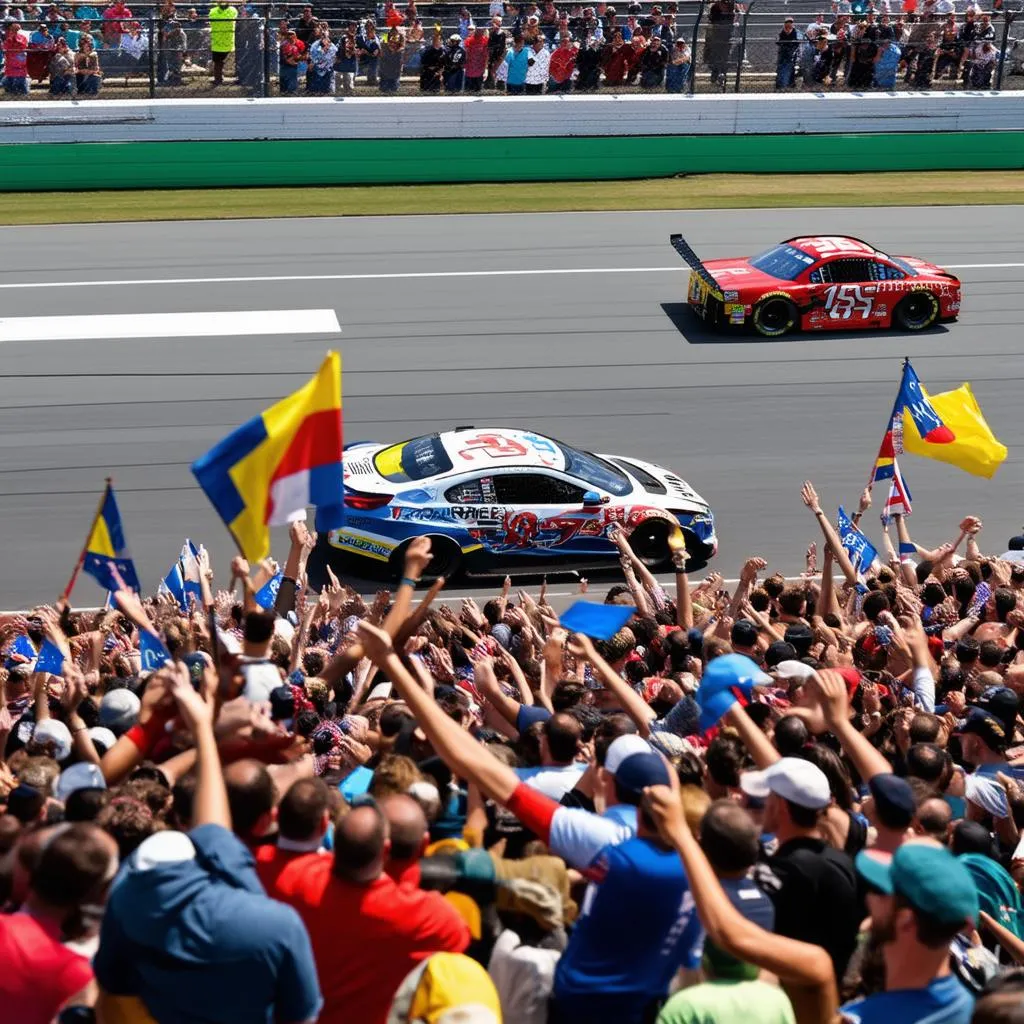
pixel 68 166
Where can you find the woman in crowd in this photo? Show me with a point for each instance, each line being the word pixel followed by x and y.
pixel 87 68
pixel 320 72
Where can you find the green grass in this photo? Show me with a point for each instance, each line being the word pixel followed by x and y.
pixel 697 192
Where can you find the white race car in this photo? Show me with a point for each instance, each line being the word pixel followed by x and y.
pixel 497 500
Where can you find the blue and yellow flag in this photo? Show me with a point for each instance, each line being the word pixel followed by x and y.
pixel 106 544
pixel 271 468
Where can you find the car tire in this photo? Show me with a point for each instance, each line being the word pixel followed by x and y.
pixel 649 542
pixel 917 311
pixel 445 561
pixel 774 316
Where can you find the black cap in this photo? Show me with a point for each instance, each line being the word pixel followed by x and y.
pixel 744 633
pixel 989 729
pixel 971 837
pixel 800 637
pixel 282 703
pixel 1002 702
pixel 894 800
pixel 777 652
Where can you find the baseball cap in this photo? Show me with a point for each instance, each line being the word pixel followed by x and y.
pixel 51 730
pixel 794 670
pixel 83 775
pixel 1001 702
pixel 119 710
pixel 282 703
pixel 635 765
pixel 800 637
pixel 894 800
pixel 791 778
pixel 103 739
pixel 779 651
pixel 744 633
pixel 928 877
pixel 983 724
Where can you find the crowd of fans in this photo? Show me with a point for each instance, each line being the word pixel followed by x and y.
pixel 520 48
pixel 781 802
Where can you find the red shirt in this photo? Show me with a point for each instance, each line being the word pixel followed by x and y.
pixel 271 861
pixel 39 974
pixel 563 62
pixel 366 938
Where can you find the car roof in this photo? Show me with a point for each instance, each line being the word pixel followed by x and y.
pixel 477 448
pixel 833 245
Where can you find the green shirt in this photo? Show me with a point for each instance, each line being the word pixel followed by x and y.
pixel 222 29
pixel 729 1002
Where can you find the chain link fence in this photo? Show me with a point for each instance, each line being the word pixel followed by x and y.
pixel 270 49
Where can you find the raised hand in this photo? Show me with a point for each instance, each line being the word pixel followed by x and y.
pixel 809 496
pixel 376 643
pixel 865 501
pixel 751 567
pixel 196 710
pixel 829 689
pixel 971 525
pixel 417 557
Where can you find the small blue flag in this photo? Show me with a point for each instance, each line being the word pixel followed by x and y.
pixel 189 562
pixel 174 584
pixel 599 621
pixel 861 551
pixel 266 596
pixel 50 659
pixel 20 645
pixel 154 653
pixel 723 675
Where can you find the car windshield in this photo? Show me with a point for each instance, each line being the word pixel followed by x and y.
pixel 417 459
pixel 904 266
pixel 594 471
pixel 785 262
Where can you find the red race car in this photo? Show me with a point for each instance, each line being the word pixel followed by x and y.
pixel 824 282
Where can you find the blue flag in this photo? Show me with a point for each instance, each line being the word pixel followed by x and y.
pixel 861 551
pixel 106 544
pixel 174 584
pixel 152 649
pixel 723 675
pixel 50 659
pixel 20 645
pixel 266 596
pixel 190 572
pixel 599 621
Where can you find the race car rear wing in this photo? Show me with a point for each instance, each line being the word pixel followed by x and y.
pixel 692 260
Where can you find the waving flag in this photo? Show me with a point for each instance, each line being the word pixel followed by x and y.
pixel 20 648
pixel 897 503
pixel 974 448
pixel 50 659
pixel 189 561
pixel 106 544
pixel 266 596
pixel 861 551
pixel 152 649
pixel 272 467
pixel 912 412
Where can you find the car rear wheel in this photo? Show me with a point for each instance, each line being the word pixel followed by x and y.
pixel 446 557
pixel 916 312
pixel 649 542
pixel 775 316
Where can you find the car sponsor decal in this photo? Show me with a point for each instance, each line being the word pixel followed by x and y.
pixel 424 515
pixel 730 296
pixel 369 546
pixel 494 446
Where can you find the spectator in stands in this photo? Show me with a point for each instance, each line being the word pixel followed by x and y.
pixel 497 45
pixel 112 27
pixel 346 63
pixel 392 54
pixel 41 45
pixel 320 69
pixel 454 64
pixel 413 45
pixel 87 68
pixel 477 48
pixel 925 61
pixel 432 65
pixel 617 60
pixel 887 62
pixel 306 28
pixel 15 60
pixel 62 70
pixel 677 73
pixel 785 62
pixel 562 65
pixel 222 37
pixel 368 51
pixel 588 63
pixel 538 64
pixel 721 16
pixel 171 55
pixel 517 64
pixel 652 65
pixel 292 51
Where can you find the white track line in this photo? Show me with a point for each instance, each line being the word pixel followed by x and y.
pixel 169 325
pixel 412 275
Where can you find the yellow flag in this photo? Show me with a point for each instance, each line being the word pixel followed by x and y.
pixel 975 450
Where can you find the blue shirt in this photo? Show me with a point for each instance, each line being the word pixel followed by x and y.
pixel 199 940
pixel 517 65
pixel 637 927
pixel 888 63
pixel 356 783
pixel 944 1001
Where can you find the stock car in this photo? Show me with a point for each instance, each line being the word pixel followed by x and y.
pixel 816 283
pixel 502 500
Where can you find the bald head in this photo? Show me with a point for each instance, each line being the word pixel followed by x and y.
pixel 361 844
pixel 251 796
pixel 407 826
pixel 933 818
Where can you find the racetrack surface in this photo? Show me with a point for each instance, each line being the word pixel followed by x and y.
pixel 486 320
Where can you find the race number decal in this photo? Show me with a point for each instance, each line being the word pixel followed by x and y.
pixel 826 245
pixel 846 301
pixel 494 445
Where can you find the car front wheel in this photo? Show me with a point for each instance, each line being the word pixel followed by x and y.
pixel 774 316
pixel 649 542
pixel 916 312
pixel 446 557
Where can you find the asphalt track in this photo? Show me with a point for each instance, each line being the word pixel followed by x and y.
pixel 489 320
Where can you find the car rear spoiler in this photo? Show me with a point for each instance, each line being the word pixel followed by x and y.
pixel 691 259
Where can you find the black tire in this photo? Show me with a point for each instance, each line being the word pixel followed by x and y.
pixel 649 542
pixel 445 561
pixel 775 316
pixel 916 312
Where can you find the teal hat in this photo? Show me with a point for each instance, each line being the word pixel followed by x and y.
pixel 928 877
pixel 998 895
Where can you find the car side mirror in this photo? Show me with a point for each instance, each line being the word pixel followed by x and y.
pixel 591 499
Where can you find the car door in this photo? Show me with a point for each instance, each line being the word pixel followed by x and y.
pixel 844 295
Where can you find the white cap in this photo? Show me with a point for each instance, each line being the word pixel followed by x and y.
pixel 119 709
pixel 83 775
pixel 623 747
pixel 50 730
pixel 164 848
pixel 229 642
pixel 102 737
pixel 792 778
pixel 794 670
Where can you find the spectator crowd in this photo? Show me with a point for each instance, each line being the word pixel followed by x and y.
pixel 517 48
pixel 781 801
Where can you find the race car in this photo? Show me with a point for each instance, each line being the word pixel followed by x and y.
pixel 819 283
pixel 502 500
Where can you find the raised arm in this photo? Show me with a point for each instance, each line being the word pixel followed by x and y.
pixel 830 690
pixel 629 700
pixel 757 744
pixel 810 499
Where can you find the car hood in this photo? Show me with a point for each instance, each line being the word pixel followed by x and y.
pixel 681 496
pixel 739 275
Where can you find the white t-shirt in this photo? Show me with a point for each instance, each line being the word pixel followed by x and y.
pixel 261 677
pixel 553 782
pixel 524 977
pixel 537 72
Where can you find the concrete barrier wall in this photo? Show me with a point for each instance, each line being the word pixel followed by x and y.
pixel 201 143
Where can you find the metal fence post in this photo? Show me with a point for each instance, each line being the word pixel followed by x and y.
pixel 693 46
pixel 267 42
pixel 743 47
pixel 153 42
pixel 1008 18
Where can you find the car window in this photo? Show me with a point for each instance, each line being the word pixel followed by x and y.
pixel 417 459
pixel 884 272
pixel 786 262
pixel 535 489
pixel 469 492
pixel 847 271
pixel 595 472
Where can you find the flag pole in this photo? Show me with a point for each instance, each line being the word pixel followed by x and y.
pixel 892 416
pixel 85 546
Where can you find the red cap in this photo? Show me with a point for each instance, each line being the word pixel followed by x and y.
pixel 852 679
